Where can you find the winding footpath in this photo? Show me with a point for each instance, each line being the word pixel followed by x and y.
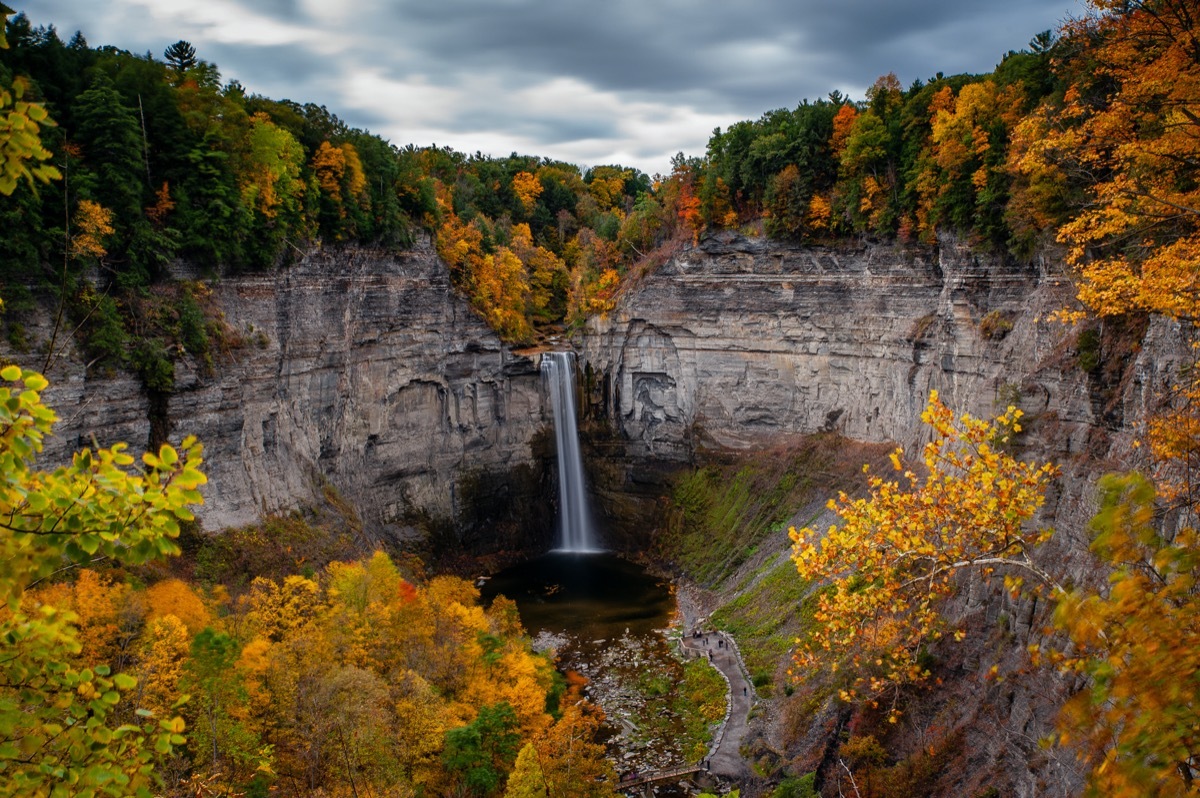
pixel 724 757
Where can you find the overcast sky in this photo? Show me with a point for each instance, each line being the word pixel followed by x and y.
pixel 586 81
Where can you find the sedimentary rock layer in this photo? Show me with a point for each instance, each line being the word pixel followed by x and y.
pixel 359 369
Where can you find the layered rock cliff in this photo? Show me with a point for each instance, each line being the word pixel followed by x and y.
pixel 741 344
pixel 740 341
pixel 361 370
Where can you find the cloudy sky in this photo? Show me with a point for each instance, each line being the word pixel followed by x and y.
pixel 585 81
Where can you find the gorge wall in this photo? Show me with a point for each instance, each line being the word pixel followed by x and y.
pixel 742 344
pixel 361 370
pixel 739 343
pixel 365 371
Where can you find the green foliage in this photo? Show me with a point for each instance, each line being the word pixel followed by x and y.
pixel 218 728
pixel 797 787
pixel 701 703
pixel 275 547
pixel 995 325
pixel 482 751
pixel 764 617
pixel 59 723
pixel 723 511
pixel 1087 347
pixel 1138 645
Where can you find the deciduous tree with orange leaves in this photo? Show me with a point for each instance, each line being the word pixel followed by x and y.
pixel 1129 129
pixel 1126 137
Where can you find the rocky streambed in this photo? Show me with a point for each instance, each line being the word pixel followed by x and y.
pixel 618 626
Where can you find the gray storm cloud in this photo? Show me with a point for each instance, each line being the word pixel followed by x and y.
pixel 572 79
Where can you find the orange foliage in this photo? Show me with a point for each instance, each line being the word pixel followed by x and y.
pixel 1135 144
pixel 329 164
pixel 92 224
pixel 843 121
pixel 162 207
pixel 174 597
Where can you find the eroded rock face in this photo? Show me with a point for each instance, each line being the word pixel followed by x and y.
pixel 739 344
pixel 361 370
pixel 739 341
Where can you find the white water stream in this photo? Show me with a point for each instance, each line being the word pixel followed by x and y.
pixel 574 520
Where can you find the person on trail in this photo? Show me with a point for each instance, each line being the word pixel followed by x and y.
pixel 710 656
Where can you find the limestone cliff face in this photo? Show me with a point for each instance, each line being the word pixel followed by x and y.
pixel 361 370
pixel 740 341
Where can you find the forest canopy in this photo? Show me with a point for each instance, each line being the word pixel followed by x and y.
pixel 161 158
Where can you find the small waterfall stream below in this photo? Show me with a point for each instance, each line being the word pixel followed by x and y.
pixel 606 618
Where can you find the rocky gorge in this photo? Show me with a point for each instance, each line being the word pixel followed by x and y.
pixel 363 371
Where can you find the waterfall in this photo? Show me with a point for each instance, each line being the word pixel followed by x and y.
pixel 574 520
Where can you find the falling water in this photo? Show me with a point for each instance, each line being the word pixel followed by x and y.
pixel 575 525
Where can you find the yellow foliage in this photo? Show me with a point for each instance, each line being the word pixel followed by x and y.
pixel 819 213
pixel 356 179
pixel 518 677
pixel 275 610
pixel 571 758
pixel 608 186
pixel 174 597
pixel 271 177
pixel 527 188
pixel 22 155
pixel 164 647
pixel 1139 644
pixel 92 224
pixel 897 551
pixel 329 164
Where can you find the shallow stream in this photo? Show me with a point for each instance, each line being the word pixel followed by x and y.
pixel 608 619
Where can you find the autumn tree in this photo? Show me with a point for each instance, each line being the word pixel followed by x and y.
pixel 1138 644
pixel 1120 148
pixel 92 225
pixel 897 552
pixel 786 204
pixel 1128 128
pixel 526 779
pixel 57 729
pixel 969 133
pixel 571 758
pixel 272 184
pixel 528 188
pixel 547 275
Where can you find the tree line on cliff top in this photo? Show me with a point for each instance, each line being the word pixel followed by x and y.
pixel 160 160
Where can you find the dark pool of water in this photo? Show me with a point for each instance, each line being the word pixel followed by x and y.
pixel 606 618
pixel 586 596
